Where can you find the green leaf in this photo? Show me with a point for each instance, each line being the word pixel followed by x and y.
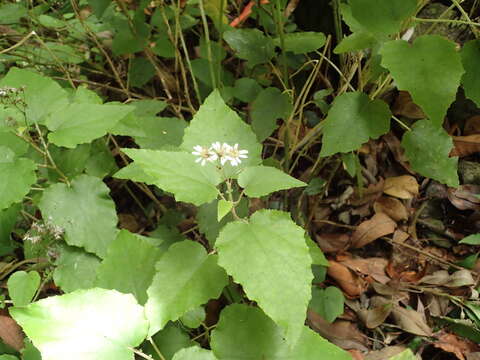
pixel 223 208
pixel 246 89
pixel 352 120
pixel 42 95
pixel 71 162
pixel 427 148
pixel 328 303
pixel 470 55
pixel 81 123
pixel 302 42
pixel 125 42
pixel 84 95
pixel 430 70
pixel 170 340
pixel 11 13
pixel 194 353
pixel 262 180
pixel 16 178
pixel 22 287
pixel 186 278
pixel 13 142
pixel 354 42
pixel 84 325
pixel 129 266
pixel 473 239
pixel 101 162
pixel 316 253
pixel 140 72
pixel 8 357
pixel 135 172
pixel 177 172
pixel 283 292
pixel 271 104
pixel 8 219
pixel 160 132
pixel 251 45
pixel 245 332
pixel 99 6
pixel 75 269
pixel 215 121
pixel 315 186
pixel 194 318
pixel 404 355
pixel 382 17
pixel 84 210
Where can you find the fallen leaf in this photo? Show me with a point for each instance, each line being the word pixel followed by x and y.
pixel 465 145
pixel 350 283
pixel 455 345
pixel 385 353
pixel 465 197
pixel 342 333
pixel 370 230
pixel 356 354
pixel 402 187
pixel 404 106
pixel 392 207
pixel 411 321
pixel 11 333
pixel 373 267
pixel 367 195
pixel 376 315
pixel 397 150
pixel 332 242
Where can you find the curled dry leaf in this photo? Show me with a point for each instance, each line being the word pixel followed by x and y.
pixel 11 333
pixel 465 145
pixel 465 197
pixel 411 321
pixel 443 278
pixel 332 242
pixel 377 314
pixel 351 284
pixel 455 345
pixel 404 106
pixel 341 333
pixel 402 187
pixel 392 207
pixel 370 230
pixel 373 267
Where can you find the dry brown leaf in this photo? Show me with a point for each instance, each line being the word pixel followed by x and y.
pixel 342 333
pixel 394 208
pixel 397 150
pixel 402 187
pixel 375 316
pixel 332 242
pixel 411 321
pixel 385 353
pixel 404 106
pixel 370 230
pixel 11 333
pixel 465 197
pixel 367 195
pixel 373 267
pixel 350 283
pixel 455 345
pixel 465 145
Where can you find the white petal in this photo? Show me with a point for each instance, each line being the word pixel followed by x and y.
pixel 204 161
pixel 243 152
pixel 198 160
pixel 198 148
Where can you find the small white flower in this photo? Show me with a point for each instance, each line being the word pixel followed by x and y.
pixel 221 150
pixel 234 155
pixel 204 154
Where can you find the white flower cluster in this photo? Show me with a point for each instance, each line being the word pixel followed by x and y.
pixel 8 91
pixel 39 230
pixel 222 152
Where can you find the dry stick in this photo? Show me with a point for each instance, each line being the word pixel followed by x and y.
pixel 20 43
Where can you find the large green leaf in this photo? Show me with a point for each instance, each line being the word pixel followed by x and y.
pixel 81 123
pixel 194 353
pixel 430 70
pixel 22 286
pixel 427 148
pixel 161 132
pixel 471 78
pixel 177 172
pixel 271 104
pixel 215 121
pixel 90 324
pixel 75 269
pixel 42 95
pixel 186 278
pixel 270 240
pixel 245 332
pixel 84 210
pixel 352 120
pixel 251 45
pixel 16 178
pixel 129 265
pixel 302 42
pixel 262 180
pixel 382 17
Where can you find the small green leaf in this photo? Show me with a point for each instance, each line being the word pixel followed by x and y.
pixel 352 120
pixel 194 318
pixel 284 291
pixel 8 357
pixel 75 269
pixel 251 45
pixel 427 148
pixel 84 210
pixel 8 219
pixel 223 208
pixel 22 287
pixel 473 239
pixel 316 253
pixel 11 13
pixel 262 180
pixel 84 325
pixel 354 42
pixel 170 340
pixel 81 123
pixel 328 303
pixel 302 42
pixel 382 17
pixel 430 70
pixel 470 55
pixel 315 186
pixel 16 178
pixel 140 72
pixel 186 278
pixel 194 353
pixel 246 89
pixel 271 104
pixel 129 266
pixel 177 172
